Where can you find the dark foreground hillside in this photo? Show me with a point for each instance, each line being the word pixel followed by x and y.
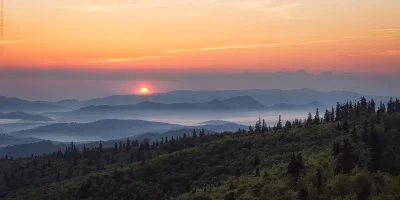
pixel 352 152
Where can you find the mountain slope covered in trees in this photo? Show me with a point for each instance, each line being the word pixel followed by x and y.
pixel 350 153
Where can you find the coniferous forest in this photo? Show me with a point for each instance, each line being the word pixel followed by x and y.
pixel 351 151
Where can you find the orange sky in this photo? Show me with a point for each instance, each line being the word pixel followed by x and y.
pixel 236 35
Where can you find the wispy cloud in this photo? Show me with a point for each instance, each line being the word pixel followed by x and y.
pixel 266 7
pixel 12 41
pixel 121 7
pixel 263 6
pixel 123 59
pixel 246 46
pixel 390 30
pixel 390 52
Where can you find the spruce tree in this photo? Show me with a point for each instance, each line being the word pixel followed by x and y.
pixel 374 145
pixel 279 124
pixel 303 194
pixel 346 126
pixel 257 171
pixel 319 181
pixel 378 116
pixel 309 119
pixel 316 117
pixel 338 110
pixel 354 136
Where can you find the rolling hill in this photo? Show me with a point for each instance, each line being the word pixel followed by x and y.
pixel 14 104
pixel 24 116
pixel 98 130
pixel 235 103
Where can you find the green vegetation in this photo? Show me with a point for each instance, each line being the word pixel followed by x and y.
pixel 352 152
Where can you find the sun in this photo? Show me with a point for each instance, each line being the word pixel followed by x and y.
pixel 144 90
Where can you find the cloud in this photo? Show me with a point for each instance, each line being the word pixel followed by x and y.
pixel 284 11
pixel 264 6
pixel 390 30
pixel 123 59
pixel 121 7
pixel 12 41
pixel 245 46
pixel 392 52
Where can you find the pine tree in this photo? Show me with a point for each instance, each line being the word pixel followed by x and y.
pixel 251 129
pixel 128 144
pixel 397 106
pixel 338 110
pixel 390 107
pixel 364 135
pixel 115 148
pixel 194 134
pixel 264 126
pixel 332 115
pixel 338 127
pixel 374 145
pixel 303 194
pixel 300 161
pixel 364 104
pixel 319 180
pixel 257 171
pixel 279 125
pixel 346 126
pixel 316 117
pixel 256 160
pixel 237 174
pixel 258 126
pixel 354 136
pixel 346 161
pixel 293 167
pixel 309 119
pixel 378 116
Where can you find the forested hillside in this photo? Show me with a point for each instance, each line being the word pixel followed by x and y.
pixel 350 152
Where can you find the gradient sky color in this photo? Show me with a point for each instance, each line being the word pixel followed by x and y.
pixel 220 36
pixel 268 35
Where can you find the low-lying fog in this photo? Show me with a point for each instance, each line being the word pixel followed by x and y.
pixel 192 118
pixel 189 118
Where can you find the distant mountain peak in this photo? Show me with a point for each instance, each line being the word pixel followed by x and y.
pixel 215 101
pixel 246 102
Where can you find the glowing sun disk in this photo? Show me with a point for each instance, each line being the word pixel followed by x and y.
pixel 144 90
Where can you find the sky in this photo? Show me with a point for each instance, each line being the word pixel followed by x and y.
pixel 53 49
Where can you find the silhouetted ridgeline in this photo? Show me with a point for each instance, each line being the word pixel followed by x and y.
pixel 265 97
pixel 24 116
pixel 14 104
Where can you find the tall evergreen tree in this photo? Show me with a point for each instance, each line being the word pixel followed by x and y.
pixel 303 194
pixel 374 145
pixel 354 136
pixel 264 126
pixel 257 171
pixel 378 116
pixel 316 117
pixel 279 125
pixel 319 181
pixel 309 119
pixel 364 104
pixel 338 110
pixel 251 129
pixel 364 135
